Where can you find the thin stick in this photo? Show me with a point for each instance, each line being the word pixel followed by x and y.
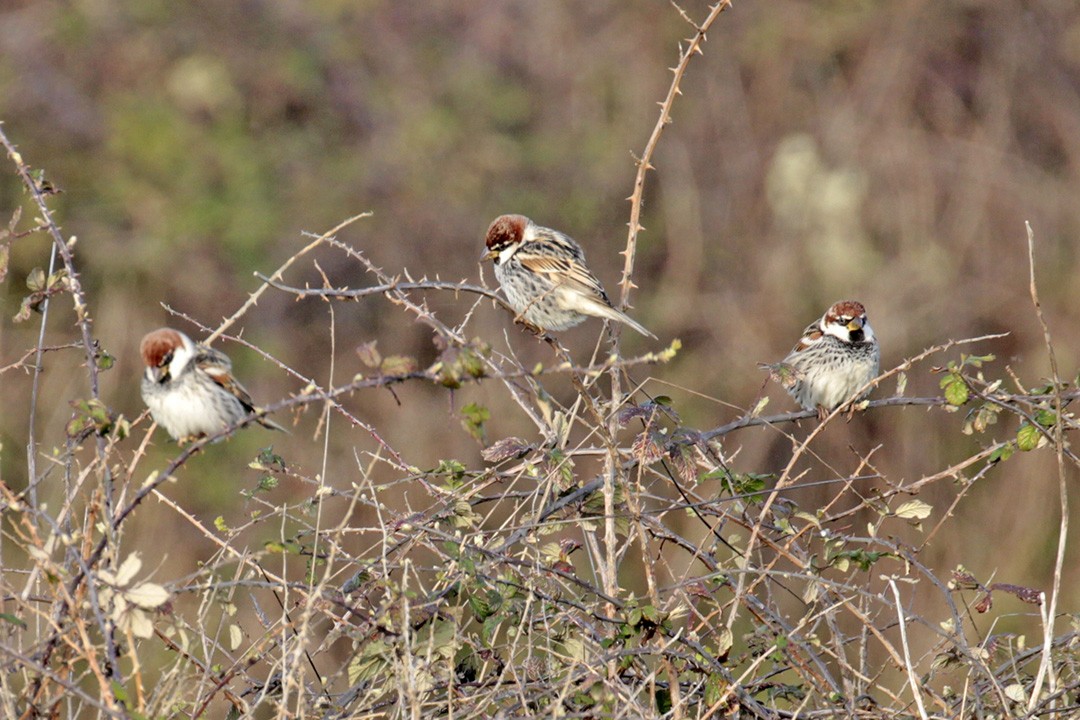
pixel 1063 491
pixel 644 164
pixel 914 681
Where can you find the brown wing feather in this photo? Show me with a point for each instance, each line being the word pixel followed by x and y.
pixel 573 274
pixel 811 336
pixel 218 368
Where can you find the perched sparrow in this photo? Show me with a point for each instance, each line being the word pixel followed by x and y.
pixel 544 276
pixel 190 389
pixel 836 356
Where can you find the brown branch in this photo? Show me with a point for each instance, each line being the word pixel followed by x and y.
pixel 644 164
pixel 396 285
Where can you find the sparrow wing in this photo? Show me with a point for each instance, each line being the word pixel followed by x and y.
pixel 218 368
pixel 567 272
pixel 811 336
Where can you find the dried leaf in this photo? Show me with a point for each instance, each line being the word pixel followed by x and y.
pixel 506 448
pixel 148 596
pixel 398 365
pixel 368 354
pixel 236 637
pixel 916 509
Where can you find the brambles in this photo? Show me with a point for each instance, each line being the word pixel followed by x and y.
pixel 579 534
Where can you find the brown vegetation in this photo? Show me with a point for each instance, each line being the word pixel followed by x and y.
pixel 466 520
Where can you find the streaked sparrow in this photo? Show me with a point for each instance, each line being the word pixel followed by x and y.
pixel 190 389
pixel 543 273
pixel 836 356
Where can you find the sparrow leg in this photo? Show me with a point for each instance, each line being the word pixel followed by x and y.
pixel 534 329
pixel 822 413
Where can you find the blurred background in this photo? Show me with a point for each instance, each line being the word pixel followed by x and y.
pixel 887 152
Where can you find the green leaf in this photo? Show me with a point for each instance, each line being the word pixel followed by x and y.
pixel 976 361
pixel 1003 453
pixel 473 417
pixel 490 628
pixel 267 460
pixel 472 362
pixel 288 546
pixel 90 415
pixel 956 392
pixel 715 688
pixel 370 663
pixel 1027 437
pixel 453 470
pixel 1046 418
pixel 663 701
pixel 485 606
pixel 865 559
pixel 9 618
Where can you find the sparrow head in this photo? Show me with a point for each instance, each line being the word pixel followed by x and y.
pixel 166 352
pixel 847 321
pixel 504 234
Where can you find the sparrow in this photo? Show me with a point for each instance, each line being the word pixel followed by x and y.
pixel 543 273
pixel 190 389
pixel 836 356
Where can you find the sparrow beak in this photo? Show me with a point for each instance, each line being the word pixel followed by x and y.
pixel 488 255
pixel 855 324
pixel 157 374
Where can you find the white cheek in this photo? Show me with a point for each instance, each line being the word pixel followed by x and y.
pixel 180 359
pixel 837 331
pixel 507 253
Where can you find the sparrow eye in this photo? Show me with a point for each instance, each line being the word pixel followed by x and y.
pixel 166 360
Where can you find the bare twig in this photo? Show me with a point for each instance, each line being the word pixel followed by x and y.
pixel 1050 614
pixel 644 163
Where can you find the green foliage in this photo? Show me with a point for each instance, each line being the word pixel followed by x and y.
pixel 473 417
